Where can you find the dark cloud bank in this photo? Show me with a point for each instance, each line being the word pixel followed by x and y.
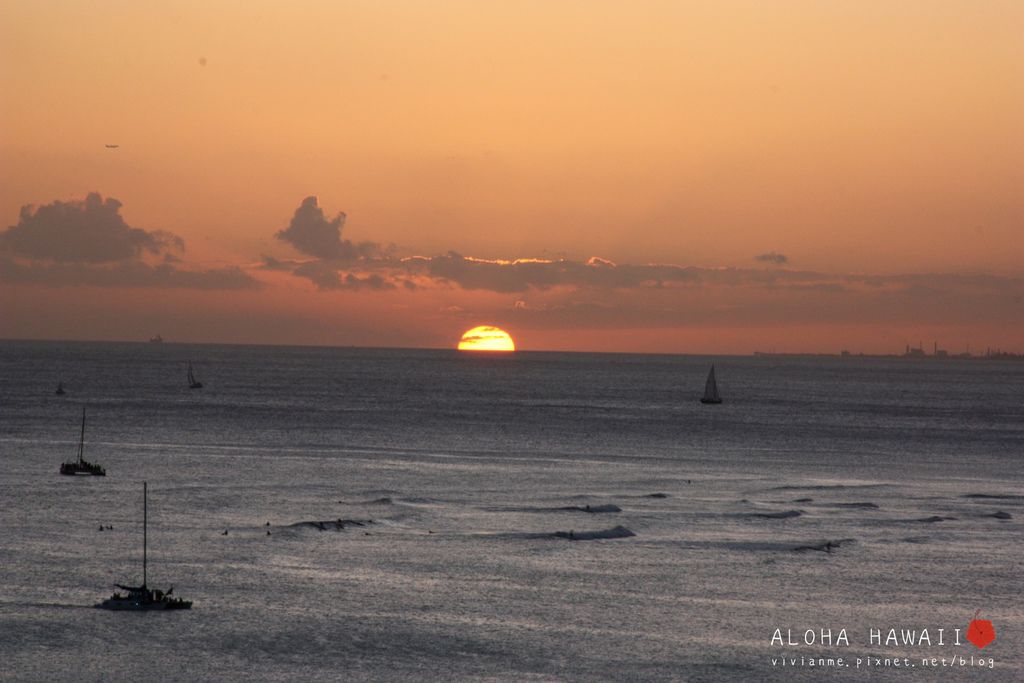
pixel 87 242
pixel 339 263
pixel 599 291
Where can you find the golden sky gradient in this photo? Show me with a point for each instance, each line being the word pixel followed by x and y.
pixel 837 140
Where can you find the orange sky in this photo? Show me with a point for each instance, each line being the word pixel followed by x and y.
pixel 852 138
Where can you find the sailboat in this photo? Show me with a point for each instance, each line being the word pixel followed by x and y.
pixel 711 389
pixel 82 466
pixel 60 388
pixel 142 597
pixel 193 383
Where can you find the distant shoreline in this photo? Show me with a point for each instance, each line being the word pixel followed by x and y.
pixel 1000 355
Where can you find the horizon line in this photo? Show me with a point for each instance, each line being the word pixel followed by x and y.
pixel 842 353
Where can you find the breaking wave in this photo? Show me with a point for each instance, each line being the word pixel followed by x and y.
pixel 787 514
pixel 590 509
pixel 614 532
pixel 331 524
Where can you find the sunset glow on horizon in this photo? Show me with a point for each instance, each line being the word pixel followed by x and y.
pixel 698 177
pixel 486 338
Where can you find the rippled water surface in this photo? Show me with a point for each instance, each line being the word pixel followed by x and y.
pixel 428 513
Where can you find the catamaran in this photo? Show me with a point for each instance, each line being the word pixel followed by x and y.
pixel 82 466
pixel 193 383
pixel 711 389
pixel 142 597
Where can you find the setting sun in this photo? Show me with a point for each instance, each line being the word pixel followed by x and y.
pixel 486 338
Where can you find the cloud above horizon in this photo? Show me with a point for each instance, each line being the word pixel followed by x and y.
pixel 342 264
pixel 313 234
pixel 88 242
pixel 83 231
pixel 600 292
pixel 124 274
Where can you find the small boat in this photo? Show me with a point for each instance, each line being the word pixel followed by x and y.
pixel 60 388
pixel 193 383
pixel 711 389
pixel 156 339
pixel 139 598
pixel 82 466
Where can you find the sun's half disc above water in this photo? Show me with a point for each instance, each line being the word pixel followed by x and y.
pixel 486 338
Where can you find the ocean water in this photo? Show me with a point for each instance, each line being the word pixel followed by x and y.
pixel 462 470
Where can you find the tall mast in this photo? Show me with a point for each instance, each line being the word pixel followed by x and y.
pixel 145 520
pixel 81 439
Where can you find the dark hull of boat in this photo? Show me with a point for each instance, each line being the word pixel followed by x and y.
pixel 138 606
pixel 712 401
pixel 74 468
pixel 195 385
pixel 141 598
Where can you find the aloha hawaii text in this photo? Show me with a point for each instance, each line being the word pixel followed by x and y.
pixel 876 636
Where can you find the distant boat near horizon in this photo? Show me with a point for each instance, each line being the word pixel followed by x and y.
pixel 157 339
pixel 140 598
pixel 81 465
pixel 60 388
pixel 193 383
pixel 711 394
